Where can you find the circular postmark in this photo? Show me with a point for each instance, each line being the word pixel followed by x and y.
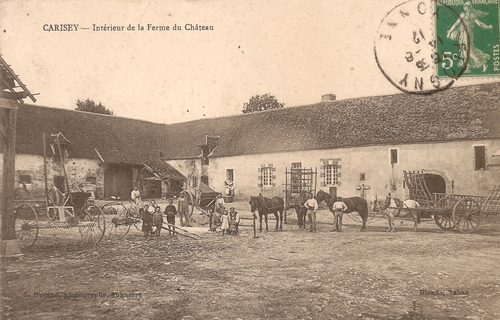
pixel 407 48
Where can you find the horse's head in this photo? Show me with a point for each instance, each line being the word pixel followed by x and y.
pixel 255 202
pixel 321 196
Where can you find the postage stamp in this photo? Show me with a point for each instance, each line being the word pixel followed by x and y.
pixel 467 35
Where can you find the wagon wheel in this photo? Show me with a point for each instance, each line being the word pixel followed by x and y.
pixel 466 215
pixel 443 217
pixel 444 220
pixel 92 224
pixel 26 225
pixel 116 215
pixel 191 201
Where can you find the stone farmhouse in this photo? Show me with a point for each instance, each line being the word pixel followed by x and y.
pixel 357 147
pixel 452 136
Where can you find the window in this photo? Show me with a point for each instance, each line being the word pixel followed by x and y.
pixel 92 180
pixel 394 156
pixel 266 176
pixel 362 176
pixel 480 157
pixel 296 165
pixel 331 174
pixel 229 175
pixel 25 178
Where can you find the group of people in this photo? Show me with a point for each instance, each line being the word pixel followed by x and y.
pixel 339 207
pixel 229 221
pixel 152 217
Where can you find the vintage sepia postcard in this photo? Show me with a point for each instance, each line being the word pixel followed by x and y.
pixel 198 159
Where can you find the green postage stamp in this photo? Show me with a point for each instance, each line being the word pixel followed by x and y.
pixel 467 38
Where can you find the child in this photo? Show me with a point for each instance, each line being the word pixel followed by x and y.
pixel 225 222
pixel 170 211
pixel 157 221
pixel 146 222
pixel 234 221
pixel 339 207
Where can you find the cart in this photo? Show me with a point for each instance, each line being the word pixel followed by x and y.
pixel 203 198
pixel 452 211
pixel 78 218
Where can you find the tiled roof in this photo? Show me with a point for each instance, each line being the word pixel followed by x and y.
pixel 458 113
pixel 118 140
pixel 455 114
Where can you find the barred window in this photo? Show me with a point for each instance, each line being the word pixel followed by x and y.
pixel 267 175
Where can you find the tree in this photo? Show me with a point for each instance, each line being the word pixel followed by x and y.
pixel 90 106
pixel 262 102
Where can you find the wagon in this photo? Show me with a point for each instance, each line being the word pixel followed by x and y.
pixel 452 211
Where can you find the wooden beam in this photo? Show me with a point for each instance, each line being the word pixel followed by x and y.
pixel 8 173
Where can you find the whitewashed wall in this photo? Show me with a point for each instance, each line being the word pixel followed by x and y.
pixel 454 161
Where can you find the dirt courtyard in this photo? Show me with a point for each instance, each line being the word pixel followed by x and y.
pixel 289 274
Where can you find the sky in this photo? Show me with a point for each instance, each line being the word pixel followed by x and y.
pixel 295 50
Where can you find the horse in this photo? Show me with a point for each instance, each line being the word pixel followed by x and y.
pixel 300 209
pixel 394 206
pixel 266 206
pixel 354 204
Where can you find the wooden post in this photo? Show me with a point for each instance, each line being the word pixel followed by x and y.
pixel 63 159
pixel 9 244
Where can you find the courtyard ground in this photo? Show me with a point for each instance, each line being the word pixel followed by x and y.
pixel 289 274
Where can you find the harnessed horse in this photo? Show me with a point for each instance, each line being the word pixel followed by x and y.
pixel 265 206
pixel 354 204
pixel 393 208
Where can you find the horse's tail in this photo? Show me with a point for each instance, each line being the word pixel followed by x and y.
pixel 419 214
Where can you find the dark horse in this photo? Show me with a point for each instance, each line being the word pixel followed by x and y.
pixel 300 209
pixel 266 206
pixel 354 204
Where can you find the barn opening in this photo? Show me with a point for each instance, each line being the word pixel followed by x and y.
pixel 435 183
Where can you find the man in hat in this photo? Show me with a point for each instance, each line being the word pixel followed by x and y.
pixel 338 208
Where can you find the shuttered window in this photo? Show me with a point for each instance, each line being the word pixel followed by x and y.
pixel 267 176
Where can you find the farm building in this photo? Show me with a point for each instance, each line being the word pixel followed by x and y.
pixel 102 154
pixel 357 147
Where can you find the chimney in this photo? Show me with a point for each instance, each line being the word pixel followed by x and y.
pixel 328 97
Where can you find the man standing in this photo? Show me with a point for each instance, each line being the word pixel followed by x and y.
pixel 183 209
pixel 312 206
pixel 135 195
pixel 339 207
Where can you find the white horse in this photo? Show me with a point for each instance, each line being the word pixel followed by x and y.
pixel 393 207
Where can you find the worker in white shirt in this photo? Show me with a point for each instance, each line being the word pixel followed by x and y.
pixel 338 208
pixel 312 206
